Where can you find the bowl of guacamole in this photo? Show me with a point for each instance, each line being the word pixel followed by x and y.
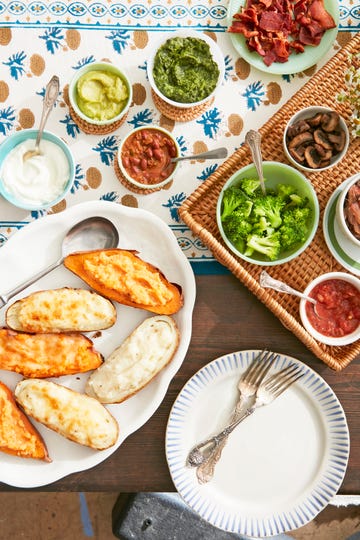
pixel 185 68
pixel 100 93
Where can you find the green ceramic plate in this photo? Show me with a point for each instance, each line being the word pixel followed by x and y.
pixel 296 62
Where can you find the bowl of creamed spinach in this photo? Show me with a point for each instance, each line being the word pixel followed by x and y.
pixel 186 68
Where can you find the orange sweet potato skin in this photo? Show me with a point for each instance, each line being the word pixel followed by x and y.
pixel 47 355
pixel 121 275
pixel 18 436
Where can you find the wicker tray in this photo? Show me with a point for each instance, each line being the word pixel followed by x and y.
pixel 199 210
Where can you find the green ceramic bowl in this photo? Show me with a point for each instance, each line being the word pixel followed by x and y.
pixel 274 173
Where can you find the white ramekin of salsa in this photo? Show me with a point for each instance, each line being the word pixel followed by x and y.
pixel 144 157
pixel 335 318
pixel 185 68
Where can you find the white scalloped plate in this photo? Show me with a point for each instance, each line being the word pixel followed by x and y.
pixel 280 467
pixel 36 246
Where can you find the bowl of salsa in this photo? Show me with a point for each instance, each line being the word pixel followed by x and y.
pixel 335 317
pixel 185 68
pixel 145 157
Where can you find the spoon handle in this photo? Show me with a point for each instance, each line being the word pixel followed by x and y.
pixel 211 154
pixel 268 282
pixel 4 298
pixel 51 93
pixel 253 139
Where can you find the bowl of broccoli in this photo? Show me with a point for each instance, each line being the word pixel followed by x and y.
pixel 268 229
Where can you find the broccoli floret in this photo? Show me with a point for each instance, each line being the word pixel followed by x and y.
pixel 237 228
pixel 284 191
pixel 294 228
pixel 262 227
pixel 250 186
pixel 232 198
pixel 297 200
pixel 267 245
pixel 269 207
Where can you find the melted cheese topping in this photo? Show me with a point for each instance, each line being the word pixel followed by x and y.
pixel 140 282
pixel 75 416
pixel 132 365
pixel 65 309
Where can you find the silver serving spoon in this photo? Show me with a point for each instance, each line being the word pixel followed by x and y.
pixel 268 282
pixel 211 154
pixel 253 139
pixel 51 93
pixel 91 233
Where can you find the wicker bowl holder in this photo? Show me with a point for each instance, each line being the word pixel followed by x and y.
pixel 179 114
pixel 199 210
pixel 93 129
pixel 131 187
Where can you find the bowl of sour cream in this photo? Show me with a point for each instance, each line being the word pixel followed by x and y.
pixel 40 181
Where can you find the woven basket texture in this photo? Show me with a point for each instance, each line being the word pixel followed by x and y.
pixel 199 210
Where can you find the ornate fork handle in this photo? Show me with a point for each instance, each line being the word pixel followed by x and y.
pixel 206 469
pixel 202 451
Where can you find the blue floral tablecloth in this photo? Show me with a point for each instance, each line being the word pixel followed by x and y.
pixel 41 38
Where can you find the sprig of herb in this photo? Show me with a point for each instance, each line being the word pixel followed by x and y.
pixel 352 92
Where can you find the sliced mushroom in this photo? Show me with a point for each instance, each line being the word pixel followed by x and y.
pixel 323 152
pixel 303 138
pixel 298 127
pixel 321 138
pixel 330 121
pixel 313 158
pixel 298 153
pixel 338 140
pixel 315 121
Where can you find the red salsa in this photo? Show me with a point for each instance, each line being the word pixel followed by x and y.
pixel 337 311
pixel 146 156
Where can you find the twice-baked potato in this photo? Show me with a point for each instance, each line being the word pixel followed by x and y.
pixel 17 434
pixel 75 416
pixel 61 310
pixel 131 366
pixel 123 276
pixel 47 355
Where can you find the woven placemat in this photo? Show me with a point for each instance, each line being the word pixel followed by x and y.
pixel 199 210
pixel 179 114
pixel 93 129
pixel 131 187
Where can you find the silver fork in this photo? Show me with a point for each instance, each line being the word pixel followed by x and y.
pixel 267 392
pixel 248 384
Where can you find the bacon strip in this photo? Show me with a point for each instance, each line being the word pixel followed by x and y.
pixel 275 28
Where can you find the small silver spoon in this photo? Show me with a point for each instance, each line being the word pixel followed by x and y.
pixel 253 139
pixel 268 282
pixel 211 154
pixel 91 233
pixel 51 93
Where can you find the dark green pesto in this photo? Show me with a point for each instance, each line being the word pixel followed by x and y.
pixel 184 69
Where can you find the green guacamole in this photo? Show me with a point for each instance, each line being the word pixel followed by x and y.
pixel 184 69
pixel 101 95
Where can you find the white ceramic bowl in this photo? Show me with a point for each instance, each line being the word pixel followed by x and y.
pixel 275 173
pixel 328 340
pixel 339 213
pixel 14 140
pixel 305 114
pixel 160 182
pixel 215 52
pixel 99 66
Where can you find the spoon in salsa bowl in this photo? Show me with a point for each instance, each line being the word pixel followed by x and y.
pixel 268 282
pixel 89 234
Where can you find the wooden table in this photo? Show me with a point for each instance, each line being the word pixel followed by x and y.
pixel 227 318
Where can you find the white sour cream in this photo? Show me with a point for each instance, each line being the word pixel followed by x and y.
pixel 39 179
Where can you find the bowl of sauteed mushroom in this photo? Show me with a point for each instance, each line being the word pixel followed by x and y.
pixel 315 139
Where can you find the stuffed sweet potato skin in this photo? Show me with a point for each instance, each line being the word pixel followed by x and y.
pixel 135 363
pixel 18 436
pixel 47 355
pixel 61 310
pixel 121 275
pixel 77 417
